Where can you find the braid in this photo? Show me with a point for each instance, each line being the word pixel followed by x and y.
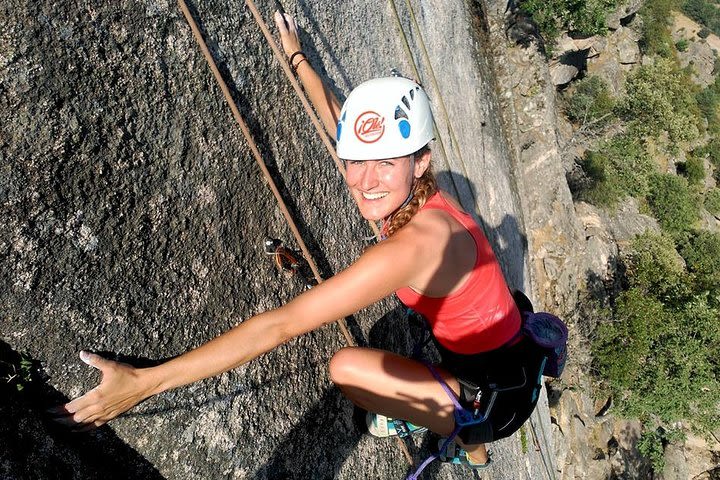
pixel 424 188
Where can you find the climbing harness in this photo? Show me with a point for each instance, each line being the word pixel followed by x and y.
pixel 463 416
pixel 543 329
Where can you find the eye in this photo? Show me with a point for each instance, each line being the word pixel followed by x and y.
pixel 386 163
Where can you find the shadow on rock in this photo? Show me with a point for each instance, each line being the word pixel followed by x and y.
pixel 325 433
pixel 36 448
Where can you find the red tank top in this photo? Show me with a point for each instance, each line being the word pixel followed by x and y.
pixel 481 315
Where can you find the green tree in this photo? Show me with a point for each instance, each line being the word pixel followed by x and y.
pixel 672 203
pixel 589 100
pixel 712 201
pixel 660 99
pixel 619 168
pixel 585 17
pixel 654 267
pixel 656 39
pixel 702 255
pixel 693 169
pixel 659 353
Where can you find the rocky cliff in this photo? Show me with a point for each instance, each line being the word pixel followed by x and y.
pixel 133 219
pixel 575 248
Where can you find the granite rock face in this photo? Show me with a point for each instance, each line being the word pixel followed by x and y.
pixel 133 218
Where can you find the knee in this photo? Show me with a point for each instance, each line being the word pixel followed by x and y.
pixel 343 366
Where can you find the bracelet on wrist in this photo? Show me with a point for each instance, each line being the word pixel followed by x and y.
pixel 292 57
pixel 295 67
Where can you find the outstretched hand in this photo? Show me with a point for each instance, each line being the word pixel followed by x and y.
pixel 121 388
pixel 288 34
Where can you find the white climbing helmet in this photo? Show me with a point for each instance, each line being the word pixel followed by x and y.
pixel 384 118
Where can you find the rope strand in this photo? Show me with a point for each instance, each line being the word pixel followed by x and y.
pixel 301 94
pixel 256 154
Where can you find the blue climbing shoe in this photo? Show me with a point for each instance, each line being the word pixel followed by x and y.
pixel 382 426
pixel 457 455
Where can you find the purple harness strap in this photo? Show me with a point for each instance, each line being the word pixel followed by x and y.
pixel 463 418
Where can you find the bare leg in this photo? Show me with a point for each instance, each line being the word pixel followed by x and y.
pixel 398 387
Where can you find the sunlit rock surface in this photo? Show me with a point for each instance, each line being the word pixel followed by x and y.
pixel 133 217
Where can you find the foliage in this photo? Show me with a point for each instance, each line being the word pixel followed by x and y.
pixel 659 354
pixel 702 255
pixel 619 168
pixel 19 374
pixel 703 12
pixel 704 33
pixel 708 100
pixel 682 45
pixel 586 17
pixel 712 201
pixel 656 39
pixel 693 169
pixel 672 203
pixel 711 150
pixel 590 100
pixel 652 444
pixel 654 266
pixel 651 447
pixel 659 99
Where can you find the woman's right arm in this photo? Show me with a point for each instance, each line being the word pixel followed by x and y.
pixel 325 102
pixel 366 281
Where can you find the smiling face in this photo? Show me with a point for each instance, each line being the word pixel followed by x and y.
pixel 380 187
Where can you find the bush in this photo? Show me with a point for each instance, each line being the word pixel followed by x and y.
pixel 693 169
pixel 620 167
pixel 652 444
pixel 654 267
pixel 708 100
pixel 711 150
pixel 586 17
pixel 659 353
pixel 672 203
pixel 702 255
pixel 704 33
pixel 712 201
pixel 656 39
pixel 703 12
pixel 659 98
pixel 589 100
pixel 682 45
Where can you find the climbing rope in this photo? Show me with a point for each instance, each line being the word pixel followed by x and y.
pixel 258 158
pixel 549 472
pixel 433 79
pixel 282 59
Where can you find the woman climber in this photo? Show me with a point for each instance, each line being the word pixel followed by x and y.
pixel 434 257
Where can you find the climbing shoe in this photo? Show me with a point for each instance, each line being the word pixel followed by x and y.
pixel 457 455
pixel 382 426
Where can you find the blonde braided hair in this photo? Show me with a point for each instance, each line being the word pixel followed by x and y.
pixel 424 188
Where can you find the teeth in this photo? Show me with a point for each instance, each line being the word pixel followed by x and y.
pixel 374 196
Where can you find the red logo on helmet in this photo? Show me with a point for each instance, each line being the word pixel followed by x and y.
pixel 369 127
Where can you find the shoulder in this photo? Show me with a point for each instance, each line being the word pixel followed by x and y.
pixel 428 228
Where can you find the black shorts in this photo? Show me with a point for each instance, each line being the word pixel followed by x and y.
pixel 510 379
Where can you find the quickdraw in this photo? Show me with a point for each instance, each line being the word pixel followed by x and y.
pixel 288 261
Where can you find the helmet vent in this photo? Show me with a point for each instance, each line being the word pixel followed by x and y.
pixel 406 102
pixel 412 94
pixel 400 113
